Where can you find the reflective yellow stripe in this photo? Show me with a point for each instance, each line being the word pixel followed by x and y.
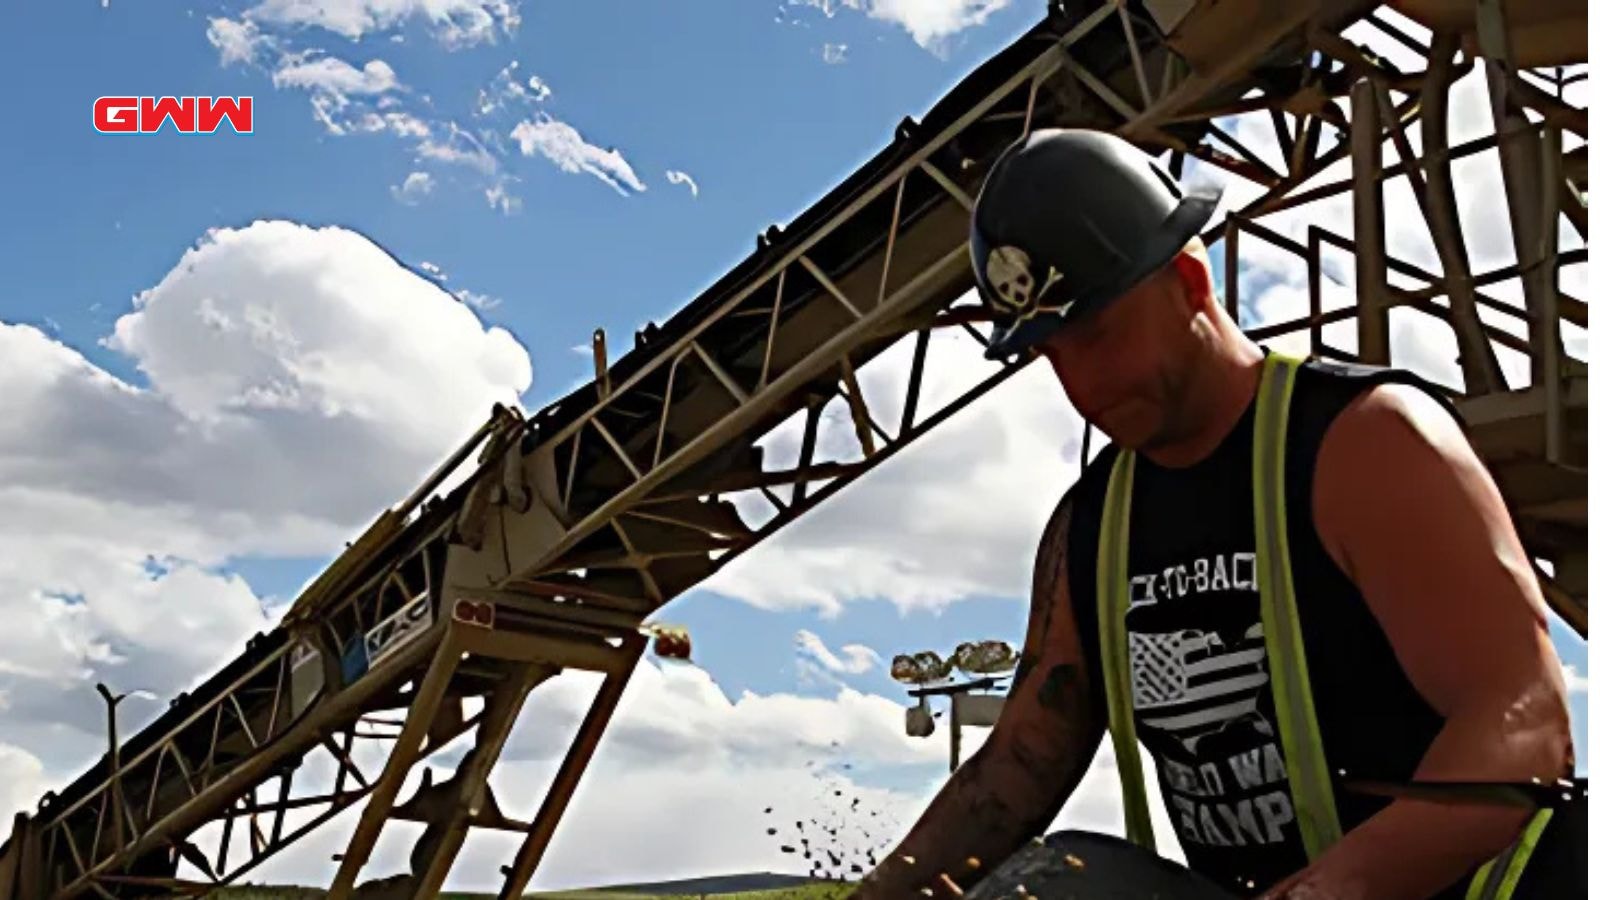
pixel 1475 890
pixel 1295 708
pixel 1497 879
pixel 1112 591
pixel 1309 783
pixel 1296 713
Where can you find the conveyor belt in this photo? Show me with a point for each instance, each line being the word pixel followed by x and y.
pixel 578 522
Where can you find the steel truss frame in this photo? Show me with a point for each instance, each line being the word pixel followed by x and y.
pixel 576 524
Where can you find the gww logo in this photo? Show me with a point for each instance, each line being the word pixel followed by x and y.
pixel 188 115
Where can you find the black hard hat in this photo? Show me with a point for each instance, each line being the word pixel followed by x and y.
pixel 1067 221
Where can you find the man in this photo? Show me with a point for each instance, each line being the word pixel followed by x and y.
pixel 1423 633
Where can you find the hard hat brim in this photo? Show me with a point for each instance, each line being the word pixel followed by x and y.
pixel 1186 220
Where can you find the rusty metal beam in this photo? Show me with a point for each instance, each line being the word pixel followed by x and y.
pixel 500 713
pixel 1372 285
pixel 1520 168
pixel 740 395
pixel 955 191
pixel 571 650
pixel 219 791
pixel 572 768
pixel 1480 368
pixel 795 366
pixel 858 407
pixel 402 757
pixel 1553 109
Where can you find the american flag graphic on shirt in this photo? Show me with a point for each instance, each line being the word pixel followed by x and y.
pixel 1192 683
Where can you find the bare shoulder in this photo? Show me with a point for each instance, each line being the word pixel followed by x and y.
pixel 1392 436
pixel 1394 445
pixel 1393 413
pixel 1413 516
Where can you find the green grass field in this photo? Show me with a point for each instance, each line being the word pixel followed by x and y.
pixel 808 892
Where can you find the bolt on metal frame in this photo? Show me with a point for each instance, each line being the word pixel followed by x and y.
pixel 568 544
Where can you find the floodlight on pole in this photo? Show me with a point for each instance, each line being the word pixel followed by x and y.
pixel 984 660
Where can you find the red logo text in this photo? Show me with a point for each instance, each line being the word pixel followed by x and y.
pixel 189 115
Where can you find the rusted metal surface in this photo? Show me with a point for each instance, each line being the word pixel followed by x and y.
pixel 569 527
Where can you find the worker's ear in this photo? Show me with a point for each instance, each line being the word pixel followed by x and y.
pixel 1192 276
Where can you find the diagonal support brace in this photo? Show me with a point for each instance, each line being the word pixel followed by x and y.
pixel 407 750
pixel 572 768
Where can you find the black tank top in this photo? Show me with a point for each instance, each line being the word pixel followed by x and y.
pixel 1202 701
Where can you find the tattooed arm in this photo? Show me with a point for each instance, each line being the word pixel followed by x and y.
pixel 1011 789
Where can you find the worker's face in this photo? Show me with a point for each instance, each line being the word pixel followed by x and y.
pixel 1122 366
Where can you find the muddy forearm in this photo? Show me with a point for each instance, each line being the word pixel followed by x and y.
pixel 985 812
pixel 1008 792
pixel 1013 786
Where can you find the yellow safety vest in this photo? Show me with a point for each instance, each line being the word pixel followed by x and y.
pixel 1309 783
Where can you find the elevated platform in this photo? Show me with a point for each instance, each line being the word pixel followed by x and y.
pixel 572 526
pixel 1535 442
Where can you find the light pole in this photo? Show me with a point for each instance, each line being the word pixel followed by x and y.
pixel 114 758
pixel 967 707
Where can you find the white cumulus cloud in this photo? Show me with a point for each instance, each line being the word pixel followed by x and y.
pixel 857 659
pixel 400 124
pixel 340 92
pixel 455 23
pixel 479 302
pixel 931 23
pixel 333 76
pixel 295 381
pixel 676 177
pixel 956 515
pixel 21 782
pixel 563 145
pixel 460 147
pixel 414 188
pixel 1577 682
pixel 501 199
pixel 236 40
pixel 282 316
pixel 281 37
pixel 505 90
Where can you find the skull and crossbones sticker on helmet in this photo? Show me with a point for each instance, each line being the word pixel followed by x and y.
pixel 1010 272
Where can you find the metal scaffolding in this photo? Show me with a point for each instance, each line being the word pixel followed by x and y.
pixel 573 525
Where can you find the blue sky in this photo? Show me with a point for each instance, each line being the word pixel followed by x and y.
pixel 181 461
pixel 737 95
pixel 724 91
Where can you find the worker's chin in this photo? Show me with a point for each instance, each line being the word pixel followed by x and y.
pixel 1128 425
pixel 1138 442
